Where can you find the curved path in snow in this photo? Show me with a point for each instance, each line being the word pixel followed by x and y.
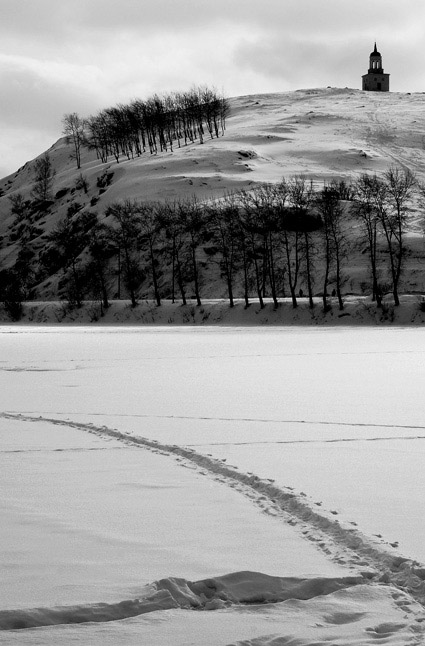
pixel 345 545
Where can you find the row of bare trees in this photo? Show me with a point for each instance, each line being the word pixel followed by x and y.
pixel 290 239
pixel 156 124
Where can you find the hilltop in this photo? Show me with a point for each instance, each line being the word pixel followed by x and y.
pixel 322 134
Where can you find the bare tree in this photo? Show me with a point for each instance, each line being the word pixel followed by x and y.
pixel 126 219
pixel 98 138
pixel 252 235
pixel 101 249
pixel 290 237
pixel 20 208
pixel 224 221
pixel 400 185
pixel 365 211
pixel 23 233
pixel 192 217
pixel 70 237
pixel 73 129
pixel 301 196
pixel 43 179
pixel 262 203
pixel 334 239
pixel 150 229
pixel 175 239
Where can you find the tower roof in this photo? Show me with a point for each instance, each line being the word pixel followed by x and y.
pixel 375 52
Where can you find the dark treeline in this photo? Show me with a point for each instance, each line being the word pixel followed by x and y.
pixel 287 240
pixel 156 124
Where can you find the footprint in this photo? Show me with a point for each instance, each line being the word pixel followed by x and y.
pixel 386 629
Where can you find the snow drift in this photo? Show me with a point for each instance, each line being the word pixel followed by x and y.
pixel 207 594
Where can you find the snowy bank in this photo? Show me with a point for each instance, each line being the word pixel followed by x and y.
pixel 357 310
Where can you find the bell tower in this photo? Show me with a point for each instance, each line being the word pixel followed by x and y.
pixel 375 80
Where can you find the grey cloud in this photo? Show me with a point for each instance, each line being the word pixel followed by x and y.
pixel 53 19
pixel 28 100
pixel 297 64
pixel 78 30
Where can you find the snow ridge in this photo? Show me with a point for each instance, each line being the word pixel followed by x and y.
pixel 345 545
pixel 208 594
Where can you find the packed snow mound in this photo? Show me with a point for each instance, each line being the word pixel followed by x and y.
pixel 208 594
pixel 250 588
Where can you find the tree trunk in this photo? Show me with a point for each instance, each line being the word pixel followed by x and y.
pixel 228 272
pixel 195 277
pixel 180 279
pixel 338 281
pixel 308 268
pixel 326 276
pixel 130 278
pixel 291 281
pixel 272 277
pixel 245 276
pixel 173 275
pixel 258 282
pixel 154 276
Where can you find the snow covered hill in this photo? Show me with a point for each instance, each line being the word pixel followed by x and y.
pixel 319 133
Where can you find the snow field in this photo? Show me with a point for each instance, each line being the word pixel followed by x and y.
pixel 125 454
pixel 89 519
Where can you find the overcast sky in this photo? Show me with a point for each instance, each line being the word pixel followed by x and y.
pixel 61 56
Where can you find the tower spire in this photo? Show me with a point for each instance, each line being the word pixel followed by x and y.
pixel 375 80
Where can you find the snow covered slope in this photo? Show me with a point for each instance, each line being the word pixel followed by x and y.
pixel 322 132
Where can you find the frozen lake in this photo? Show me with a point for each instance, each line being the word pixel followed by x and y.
pixel 334 416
